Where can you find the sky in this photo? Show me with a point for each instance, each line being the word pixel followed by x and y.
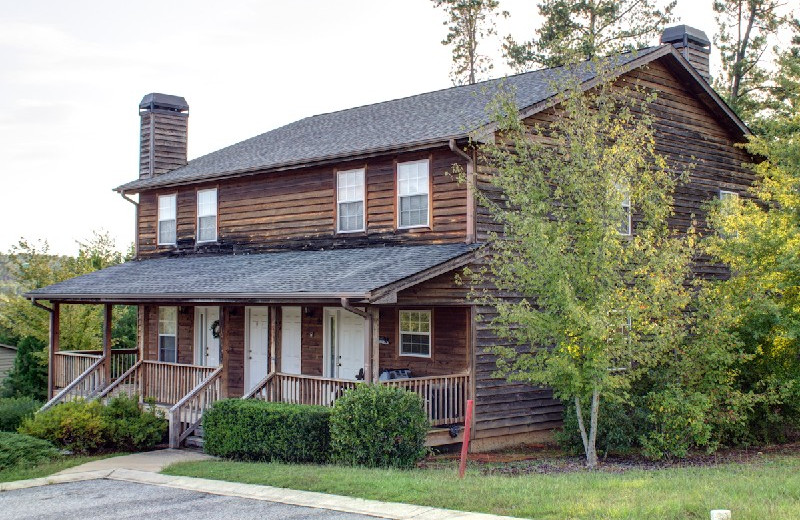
pixel 72 75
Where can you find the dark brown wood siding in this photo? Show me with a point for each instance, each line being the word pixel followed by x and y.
pixel 297 209
pixel 311 331
pixel 692 139
pixel 232 338
pixel 185 339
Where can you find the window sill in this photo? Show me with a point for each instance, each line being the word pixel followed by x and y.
pixel 416 356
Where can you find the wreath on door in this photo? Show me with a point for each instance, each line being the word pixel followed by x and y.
pixel 215 329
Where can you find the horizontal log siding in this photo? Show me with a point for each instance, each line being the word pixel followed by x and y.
pixel 449 353
pixel 232 338
pixel 169 140
pixel 296 209
pixel 185 339
pixel 311 328
pixel 691 138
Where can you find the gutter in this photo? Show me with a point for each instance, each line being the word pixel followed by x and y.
pixel 135 219
pixel 367 337
pixel 470 173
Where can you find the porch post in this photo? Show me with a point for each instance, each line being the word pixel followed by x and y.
pixel 273 338
pixel 376 343
pixel 55 334
pixel 107 342
pixel 368 317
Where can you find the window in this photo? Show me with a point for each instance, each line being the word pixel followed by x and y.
pixel 167 333
pixel 207 215
pixel 412 194
pixel 725 195
pixel 166 219
pixel 415 333
pixel 625 225
pixel 726 199
pixel 350 200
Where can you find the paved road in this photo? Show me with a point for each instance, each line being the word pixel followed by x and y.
pixel 118 500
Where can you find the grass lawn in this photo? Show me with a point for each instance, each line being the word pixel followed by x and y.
pixel 24 472
pixel 768 488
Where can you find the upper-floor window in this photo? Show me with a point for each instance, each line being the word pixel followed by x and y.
pixel 415 333
pixel 625 225
pixel 166 219
pixel 725 195
pixel 207 215
pixel 350 200
pixel 413 194
pixel 167 334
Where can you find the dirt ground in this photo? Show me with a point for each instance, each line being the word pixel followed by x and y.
pixel 548 459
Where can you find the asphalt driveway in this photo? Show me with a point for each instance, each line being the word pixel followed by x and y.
pixel 117 500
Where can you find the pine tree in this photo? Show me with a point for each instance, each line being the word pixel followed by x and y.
pixel 584 29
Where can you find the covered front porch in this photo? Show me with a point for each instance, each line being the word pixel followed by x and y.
pixel 196 348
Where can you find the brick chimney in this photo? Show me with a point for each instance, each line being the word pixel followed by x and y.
pixel 163 133
pixel 693 44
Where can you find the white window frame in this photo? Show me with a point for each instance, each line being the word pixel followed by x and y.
pixel 727 194
pixel 628 212
pixel 165 335
pixel 204 215
pixel 362 200
pixel 174 219
pixel 427 192
pixel 429 334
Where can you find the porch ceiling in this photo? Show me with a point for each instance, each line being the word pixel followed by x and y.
pixel 360 274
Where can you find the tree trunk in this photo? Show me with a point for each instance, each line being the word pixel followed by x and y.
pixel 589 438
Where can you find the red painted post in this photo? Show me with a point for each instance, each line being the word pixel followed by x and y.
pixel 462 467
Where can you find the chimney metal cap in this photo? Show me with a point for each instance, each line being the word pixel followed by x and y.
pixel 164 102
pixel 677 33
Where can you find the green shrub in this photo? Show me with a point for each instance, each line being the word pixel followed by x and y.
pixel 24 449
pixel 378 426
pixel 29 375
pixel 90 427
pixel 129 427
pixel 14 409
pixel 677 422
pixel 248 429
pixel 76 426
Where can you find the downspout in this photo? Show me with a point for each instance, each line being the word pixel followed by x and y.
pixel 470 173
pixel 135 222
pixel 367 337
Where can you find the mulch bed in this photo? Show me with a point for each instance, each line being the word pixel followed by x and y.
pixel 547 460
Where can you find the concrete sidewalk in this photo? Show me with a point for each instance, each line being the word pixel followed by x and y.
pixel 128 468
pixel 153 461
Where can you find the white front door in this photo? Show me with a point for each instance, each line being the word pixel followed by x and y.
pixel 291 330
pixel 206 346
pixel 344 344
pixel 257 361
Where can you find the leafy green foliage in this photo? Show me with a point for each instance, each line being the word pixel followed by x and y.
pixel 28 377
pixel 89 427
pixel 247 429
pixel 378 426
pixel 617 434
pixel 608 306
pixel 468 23
pixel 76 426
pixel 676 423
pixel 585 29
pixel 129 427
pixel 17 449
pixel 13 410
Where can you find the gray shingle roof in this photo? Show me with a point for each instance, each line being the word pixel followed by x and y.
pixel 422 119
pixel 302 274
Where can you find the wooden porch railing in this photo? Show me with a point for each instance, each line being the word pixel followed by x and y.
pixel 296 389
pixel 444 397
pixel 86 385
pixel 166 383
pixel 69 364
pixel 186 415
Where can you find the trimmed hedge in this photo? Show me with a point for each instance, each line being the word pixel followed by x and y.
pixel 248 429
pixel 14 410
pixel 23 449
pixel 378 426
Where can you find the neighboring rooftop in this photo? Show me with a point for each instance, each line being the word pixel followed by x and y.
pixel 299 274
pixel 429 118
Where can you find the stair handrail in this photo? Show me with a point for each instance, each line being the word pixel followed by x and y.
pixel 118 380
pixel 175 435
pixel 67 389
pixel 260 386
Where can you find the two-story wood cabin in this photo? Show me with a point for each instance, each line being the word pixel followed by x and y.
pixel 294 264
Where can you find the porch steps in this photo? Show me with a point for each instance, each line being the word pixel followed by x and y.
pixel 195 440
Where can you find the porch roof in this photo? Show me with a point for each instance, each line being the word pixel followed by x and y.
pixel 373 274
